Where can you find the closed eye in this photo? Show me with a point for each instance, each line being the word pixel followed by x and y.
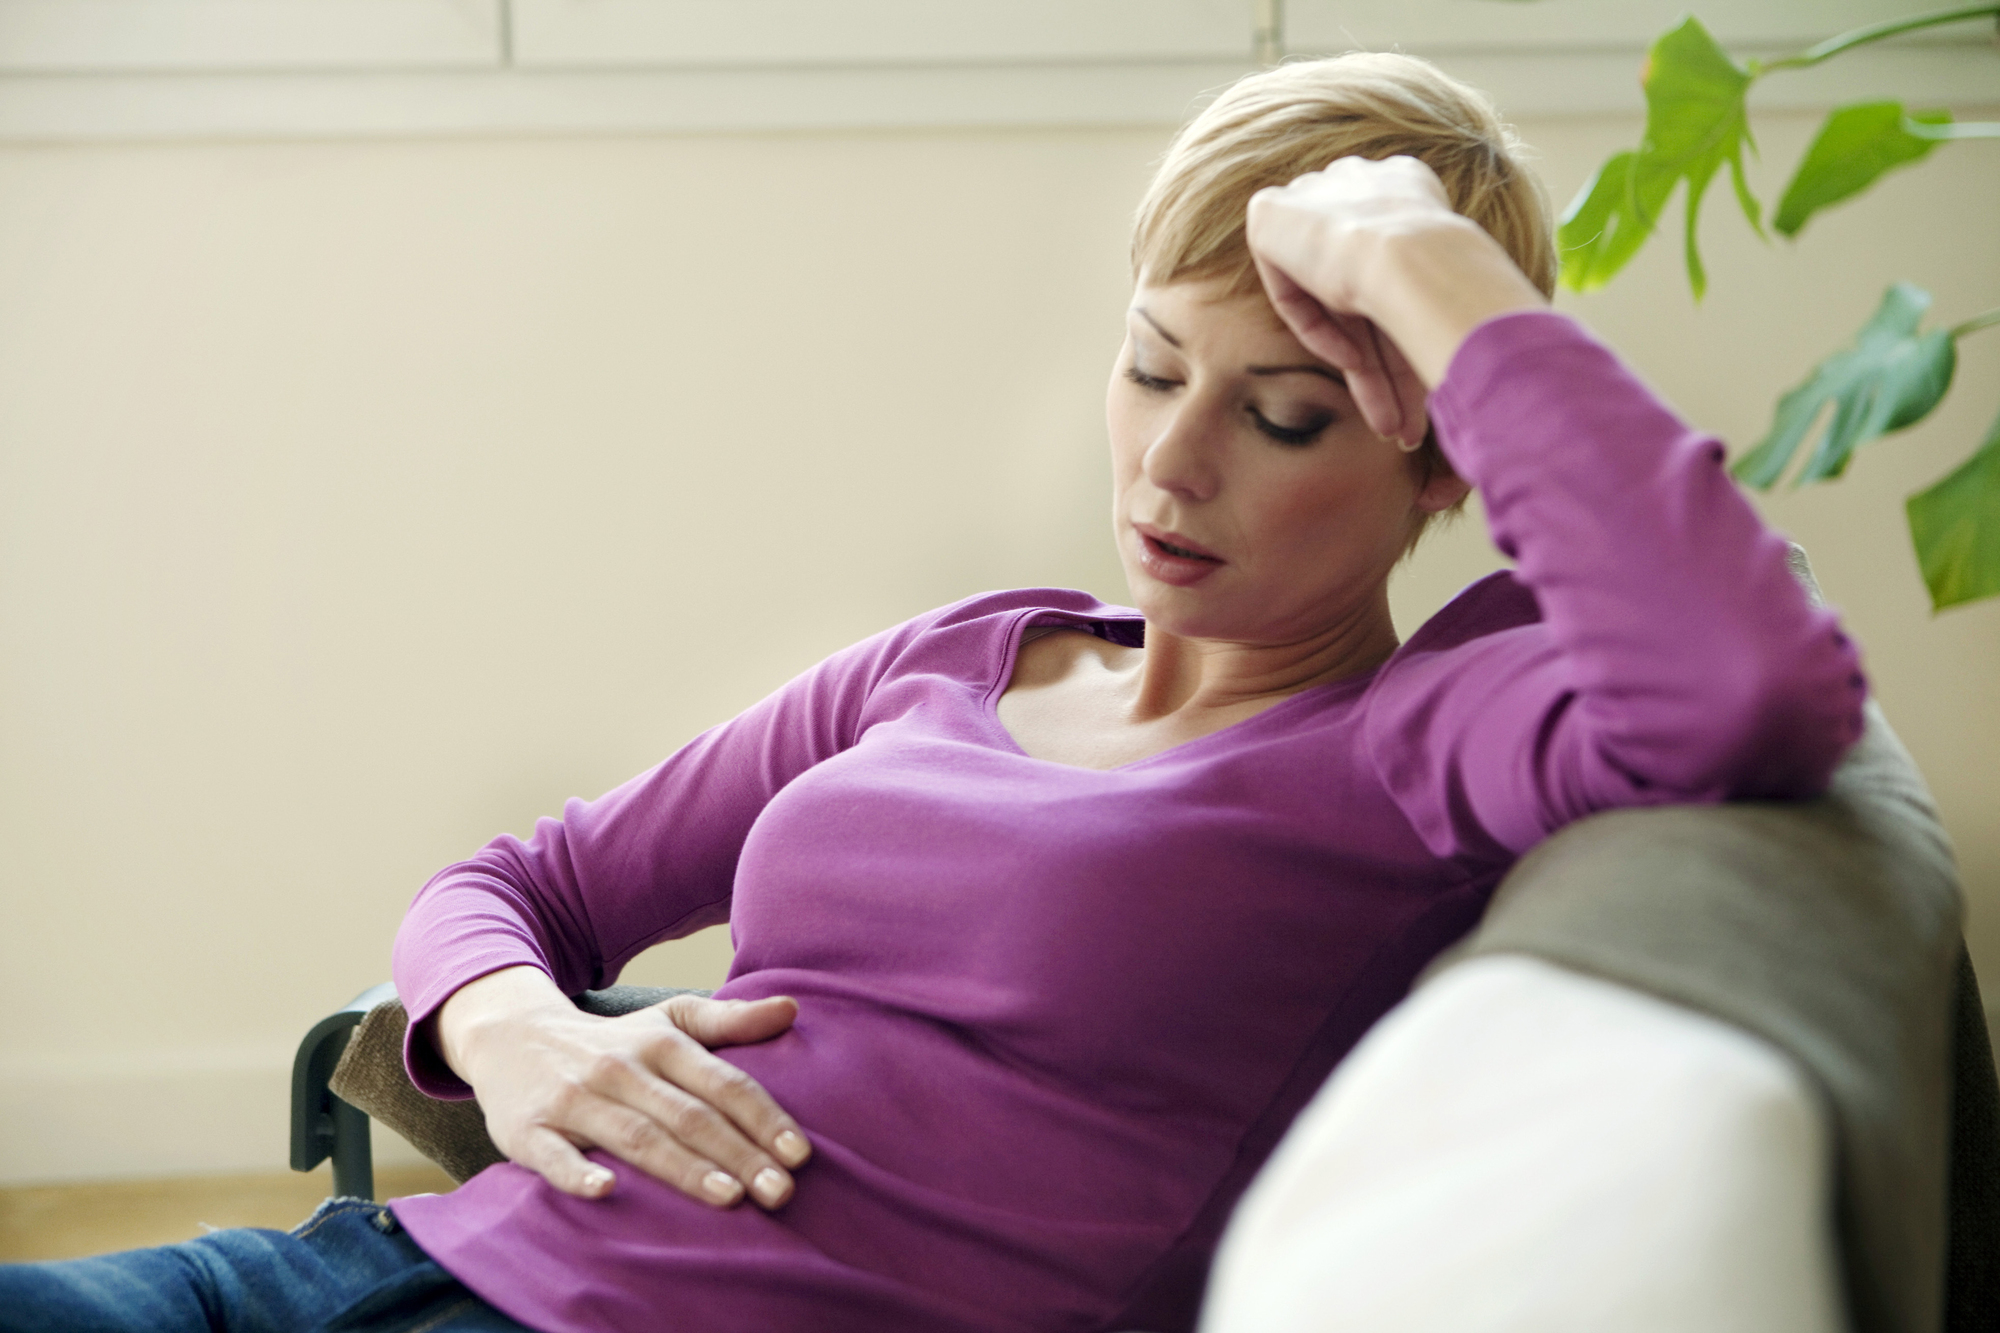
pixel 1294 435
pixel 1150 383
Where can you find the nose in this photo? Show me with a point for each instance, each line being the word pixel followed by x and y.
pixel 1182 458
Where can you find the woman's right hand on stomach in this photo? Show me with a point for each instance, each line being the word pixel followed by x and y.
pixel 554 1081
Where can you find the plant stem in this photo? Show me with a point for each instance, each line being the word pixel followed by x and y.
pixel 1874 32
pixel 1954 129
pixel 1975 324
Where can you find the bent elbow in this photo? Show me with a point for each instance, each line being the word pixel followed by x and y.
pixel 1789 724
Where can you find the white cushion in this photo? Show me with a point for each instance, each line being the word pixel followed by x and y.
pixel 1521 1147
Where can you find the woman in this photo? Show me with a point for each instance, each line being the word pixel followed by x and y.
pixel 1051 914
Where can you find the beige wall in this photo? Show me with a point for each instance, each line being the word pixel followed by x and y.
pixel 361 500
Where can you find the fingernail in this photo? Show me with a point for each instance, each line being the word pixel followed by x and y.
pixel 721 1188
pixel 769 1187
pixel 597 1180
pixel 791 1147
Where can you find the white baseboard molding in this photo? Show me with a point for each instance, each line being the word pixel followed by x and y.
pixel 113 1119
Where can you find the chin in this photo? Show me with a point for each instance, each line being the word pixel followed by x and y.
pixel 1187 613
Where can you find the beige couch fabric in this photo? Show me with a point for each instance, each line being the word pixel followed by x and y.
pixel 1523 1149
pixel 1830 929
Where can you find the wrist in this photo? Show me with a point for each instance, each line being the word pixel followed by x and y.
pixel 1433 285
pixel 470 1015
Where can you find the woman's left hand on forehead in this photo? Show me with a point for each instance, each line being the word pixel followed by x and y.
pixel 1313 240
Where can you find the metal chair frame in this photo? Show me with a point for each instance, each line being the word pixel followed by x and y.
pixel 323 1125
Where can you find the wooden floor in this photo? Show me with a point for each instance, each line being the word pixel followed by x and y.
pixel 69 1221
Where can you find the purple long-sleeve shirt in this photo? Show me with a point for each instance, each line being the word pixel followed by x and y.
pixel 1052 1018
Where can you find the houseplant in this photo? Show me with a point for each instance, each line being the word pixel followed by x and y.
pixel 1895 372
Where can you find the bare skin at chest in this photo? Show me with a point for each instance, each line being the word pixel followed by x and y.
pixel 1073 699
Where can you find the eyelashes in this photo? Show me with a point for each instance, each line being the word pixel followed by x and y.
pixel 1289 435
pixel 1145 381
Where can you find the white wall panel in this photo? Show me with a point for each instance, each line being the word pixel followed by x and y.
pixel 45 36
pixel 166 69
pixel 873 32
pixel 1325 26
pixel 602 101
pixel 251 106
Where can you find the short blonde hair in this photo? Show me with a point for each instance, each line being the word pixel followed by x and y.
pixel 1271 127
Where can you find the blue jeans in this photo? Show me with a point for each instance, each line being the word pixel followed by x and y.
pixel 347 1267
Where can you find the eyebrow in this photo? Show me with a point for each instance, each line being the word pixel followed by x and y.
pixel 1322 371
pixel 1142 313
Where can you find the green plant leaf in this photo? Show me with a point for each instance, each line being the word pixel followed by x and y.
pixel 1695 122
pixel 1891 378
pixel 1855 147
pixel 1605 226
pixel 1955 526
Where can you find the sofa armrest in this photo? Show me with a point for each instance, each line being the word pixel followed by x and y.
pixel 1519 1146
pixel 1829 928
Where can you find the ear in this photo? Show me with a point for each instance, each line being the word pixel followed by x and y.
pixel 1442 491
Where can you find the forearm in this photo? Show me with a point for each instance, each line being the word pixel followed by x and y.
pixel 1698 666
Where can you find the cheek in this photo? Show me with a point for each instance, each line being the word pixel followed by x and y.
pixel 1124 427
pixel 1358 511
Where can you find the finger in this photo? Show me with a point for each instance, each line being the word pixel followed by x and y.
pixel 560 1162
pixel 1407 388
pixel 1427 180
pixel 664 1142
pixel 1308 320
pixel 1275 239
pixel 1321 334
pixel 751 1132
pixel 1368 380
pixel 1349 343
pixel 671 1098
pixel 1411 393
pixel 730 1022
pixel 721 1084
pixel 1388 415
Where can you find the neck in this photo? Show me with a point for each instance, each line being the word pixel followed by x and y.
pixel 1185 675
